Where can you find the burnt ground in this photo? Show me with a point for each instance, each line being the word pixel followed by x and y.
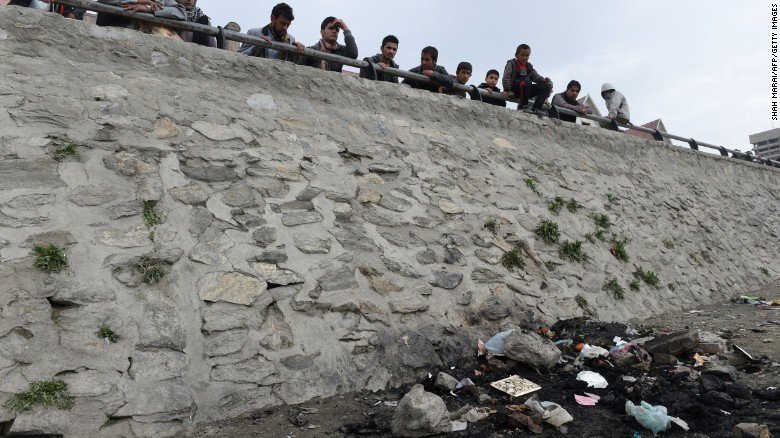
pixel 710 414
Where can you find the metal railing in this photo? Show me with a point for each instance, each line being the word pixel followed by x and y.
pixel 474 92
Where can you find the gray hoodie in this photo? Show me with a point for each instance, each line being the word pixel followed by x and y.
pixel 617 105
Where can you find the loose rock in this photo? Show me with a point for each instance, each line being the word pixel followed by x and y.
pixel 420 414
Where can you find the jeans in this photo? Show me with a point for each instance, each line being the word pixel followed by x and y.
pixel 539 91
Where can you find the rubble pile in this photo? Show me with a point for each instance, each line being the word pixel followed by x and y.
pixel 581 375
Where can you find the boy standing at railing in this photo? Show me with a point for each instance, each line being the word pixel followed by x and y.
pixel 462 76
pixel 523 82
pixel 491 79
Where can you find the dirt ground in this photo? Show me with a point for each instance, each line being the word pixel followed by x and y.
pixel 748 326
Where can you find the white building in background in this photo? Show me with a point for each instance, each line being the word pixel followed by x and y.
pixel 767 144
pixel 587 100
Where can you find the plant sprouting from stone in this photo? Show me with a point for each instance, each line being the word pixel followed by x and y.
pixel 349 156
pixel 671 287
pixel 669 244
pixel 634 285
pixel 572 251
pixel 556 205
pixel 581 301
pixel 548 232
pixel 550 265
pixel 611 198
pixel 152 271
pixel 533 185
pixel 615 288
pixel 619 249
pixel 50 258
pixel 602 220
pixel 46 393
pixel 573 206
pixel 106 333
pixel 151 218
pixel 491 225
pixel 67 150
pixel 648 277
pixel 765 271
pixel 513 259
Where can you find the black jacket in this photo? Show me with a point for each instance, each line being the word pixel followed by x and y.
pixel 492 100
pixel 367 73
pixel 350 50
pixel 440 76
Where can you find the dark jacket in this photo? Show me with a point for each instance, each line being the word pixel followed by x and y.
pixel 440 76
pixel 510 70
pixel 350 50
pixel 262 52
pixel 492 100
pixel 367 73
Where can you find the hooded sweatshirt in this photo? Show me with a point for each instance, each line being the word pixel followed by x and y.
pixel 617 105
pixel 510 71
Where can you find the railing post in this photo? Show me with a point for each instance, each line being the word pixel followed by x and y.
pixel 657 136
pixel 693 144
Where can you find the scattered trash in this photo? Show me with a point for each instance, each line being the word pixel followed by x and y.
pixel 552 413
pixel 516 386
pixel 464 383
pixel 458 426
pixel 481 350
pixel 523 416
pixel 474 415
pixel 591 352
pixel 585 400
pixel 654 418
pixel 700 360
pixel 495 345
pixel 594 380
pixel 680 423
pixel 392 404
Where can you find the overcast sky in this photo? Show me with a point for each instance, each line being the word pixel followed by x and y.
pixel 703 67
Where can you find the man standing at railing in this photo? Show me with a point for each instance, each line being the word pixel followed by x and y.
pixel 428 67
pixel 281 20
pixel 329 30
pixel 383 59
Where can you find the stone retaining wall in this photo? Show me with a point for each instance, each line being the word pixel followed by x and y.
pixel 317 234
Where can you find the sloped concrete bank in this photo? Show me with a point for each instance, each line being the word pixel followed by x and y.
pixel 258 233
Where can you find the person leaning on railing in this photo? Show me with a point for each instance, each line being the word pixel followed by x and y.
pixel 329 30
pixel 568 100
pixel 383 59
pixel 276 31
pixel 196 15
pixel 617 105
pixel 428 67
pixel 159 8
